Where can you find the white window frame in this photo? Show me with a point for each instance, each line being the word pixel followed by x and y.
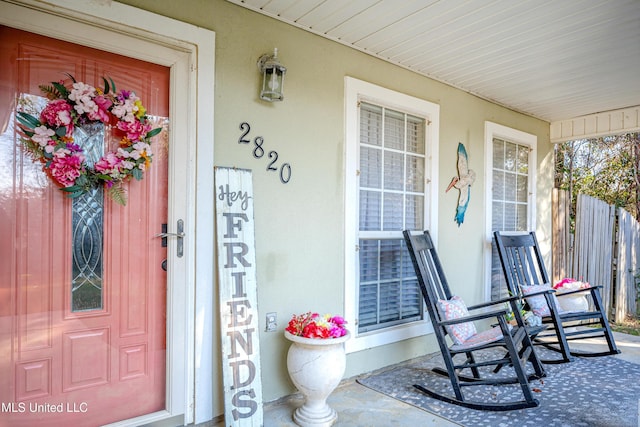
pixel 491 131
pixel 356 91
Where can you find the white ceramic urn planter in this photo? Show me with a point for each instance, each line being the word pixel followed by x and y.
pixel 316 367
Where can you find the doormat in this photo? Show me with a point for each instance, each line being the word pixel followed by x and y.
pixel 588 392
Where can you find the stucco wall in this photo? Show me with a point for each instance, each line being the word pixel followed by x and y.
pixel 299 225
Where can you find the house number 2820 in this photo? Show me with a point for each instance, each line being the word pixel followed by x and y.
pixel 259 152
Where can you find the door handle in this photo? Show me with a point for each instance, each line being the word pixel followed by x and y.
pixel 179 234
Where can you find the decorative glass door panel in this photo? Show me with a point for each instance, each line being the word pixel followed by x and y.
pixel 87 225
pixel 82 289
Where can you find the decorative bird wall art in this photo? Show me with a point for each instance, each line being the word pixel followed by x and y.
pixel 462 182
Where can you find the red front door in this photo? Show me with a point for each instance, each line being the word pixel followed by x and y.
pixel 90 351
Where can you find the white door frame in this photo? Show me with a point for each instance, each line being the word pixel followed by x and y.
pixel 189 52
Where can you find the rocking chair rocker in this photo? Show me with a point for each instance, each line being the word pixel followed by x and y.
pixel 449 316
pixel 527 276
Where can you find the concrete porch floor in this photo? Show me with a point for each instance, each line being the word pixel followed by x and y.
pixel 359 406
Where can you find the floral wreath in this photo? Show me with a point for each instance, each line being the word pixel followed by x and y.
pixel 49 138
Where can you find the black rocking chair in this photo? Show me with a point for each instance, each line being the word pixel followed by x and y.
pixel 450 317
pixel 523 269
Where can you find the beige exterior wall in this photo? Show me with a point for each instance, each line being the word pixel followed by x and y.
pixel 299 226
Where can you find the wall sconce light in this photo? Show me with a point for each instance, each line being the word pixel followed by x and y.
pixel 272 77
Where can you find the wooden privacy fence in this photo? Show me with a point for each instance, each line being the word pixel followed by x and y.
pixel 593 245
pixel 628 268
pixel 604 250
pixel 561 236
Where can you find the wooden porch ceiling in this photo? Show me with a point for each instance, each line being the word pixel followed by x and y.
pixel 555 60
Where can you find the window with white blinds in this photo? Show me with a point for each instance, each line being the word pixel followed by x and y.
pixel 510 201
pixel 391 199
pixel 391 173
pixel 512 192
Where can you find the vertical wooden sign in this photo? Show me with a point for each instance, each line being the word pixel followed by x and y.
pixel 238 297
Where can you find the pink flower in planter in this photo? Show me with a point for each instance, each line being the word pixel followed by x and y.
pixel 569 284
pixel 312 325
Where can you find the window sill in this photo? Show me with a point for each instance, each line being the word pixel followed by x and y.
pixel 387 336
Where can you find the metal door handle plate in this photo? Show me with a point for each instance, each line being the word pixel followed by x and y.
pixel 179 234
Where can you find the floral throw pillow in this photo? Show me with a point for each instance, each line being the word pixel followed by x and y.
pixel 454 309
pixel 538 303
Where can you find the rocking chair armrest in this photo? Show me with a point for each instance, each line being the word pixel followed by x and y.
pixel 474 317
pixel 496 302
pixel 546 291
pixel 590 289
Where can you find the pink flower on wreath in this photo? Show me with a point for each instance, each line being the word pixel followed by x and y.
pixel 124 95
pixel 57 113
pixel 126 106
pixel 101 112
pixel 43 136
pixel 134 130
pixel 67 165
pixel 82 95
pixel 110 165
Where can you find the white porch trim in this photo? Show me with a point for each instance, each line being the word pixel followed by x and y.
pixel 594 125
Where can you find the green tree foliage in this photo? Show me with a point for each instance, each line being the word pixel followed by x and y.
pixel 607 168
